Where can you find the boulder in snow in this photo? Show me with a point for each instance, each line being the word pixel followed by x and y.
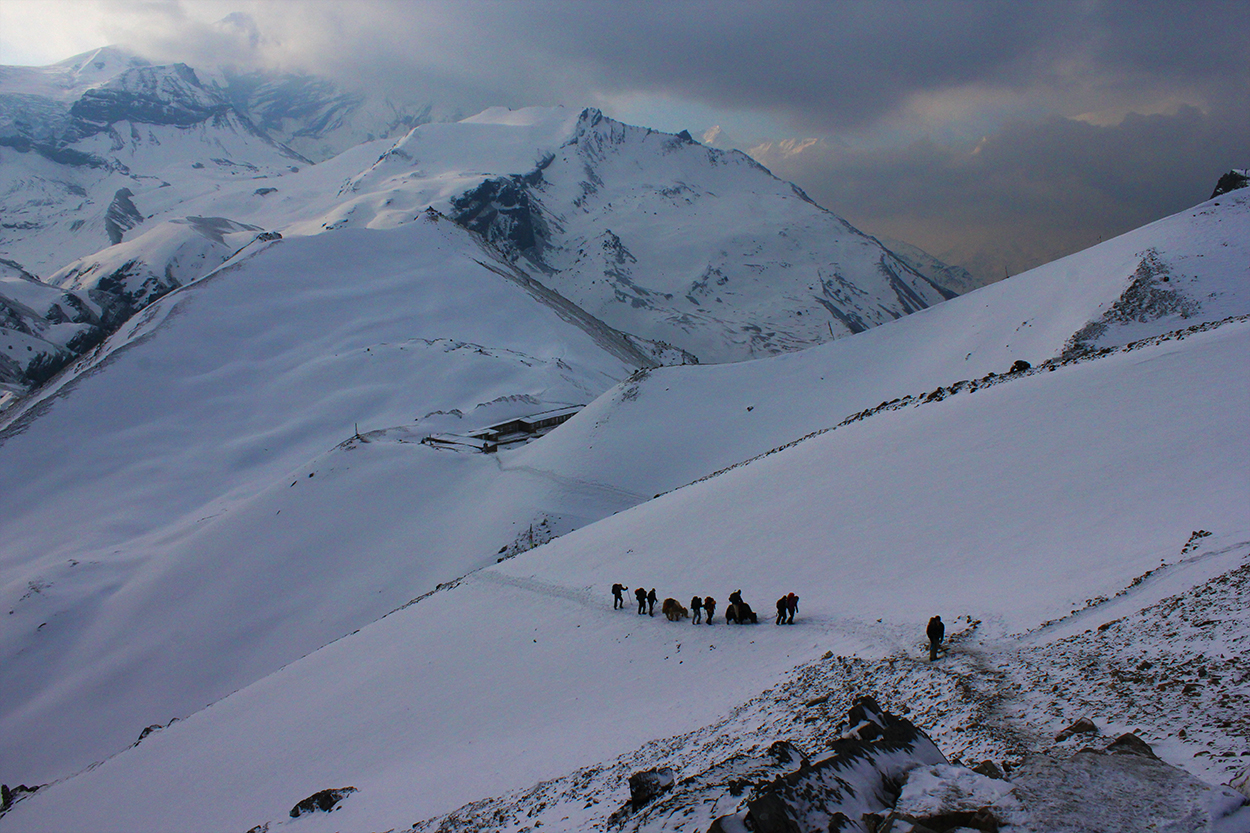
pixel 644 787
pixel 323 801
pixel 1084 726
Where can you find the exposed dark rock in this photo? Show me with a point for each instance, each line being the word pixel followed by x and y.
pixel 147 95
pixel 1130 744
pixel 1019 366
pixel 983 819
pixel 785 752
pixel 863 775
pixel 1230 181
pixel 8 794
pixel 53 153
pixel 322 802
pixel 1084 726
pixel 122 215
pixel 502 212
pixel 990 770
pixel 645 787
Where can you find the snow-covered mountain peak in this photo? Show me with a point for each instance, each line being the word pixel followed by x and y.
pixel 66 80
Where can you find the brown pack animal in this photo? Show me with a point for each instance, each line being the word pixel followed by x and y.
pixel 740 613
pixel 674 611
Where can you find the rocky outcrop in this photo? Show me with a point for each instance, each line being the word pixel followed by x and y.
pixel 644 787
pixel 165 95
pixel 1084 726
pixel 122 215
pixel 864 775
pixel 321 802
pixel 1230 181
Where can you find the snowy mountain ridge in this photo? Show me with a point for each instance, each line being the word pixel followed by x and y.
pixel 220 518
pixel 1076 478
pixel 694 261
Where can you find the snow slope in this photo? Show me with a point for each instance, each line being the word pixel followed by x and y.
pixel 757 406
pixel 149 485
pixel 1071 483
pixel 1049 488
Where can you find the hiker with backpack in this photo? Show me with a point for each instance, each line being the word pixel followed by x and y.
pixel 935 632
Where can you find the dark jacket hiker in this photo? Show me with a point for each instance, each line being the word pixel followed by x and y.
pixel 936 631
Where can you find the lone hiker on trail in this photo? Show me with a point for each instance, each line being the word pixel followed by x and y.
pixel 696 608
pixel 709 605
pixel 651 601
pixel 936 631
pixel 617 601
pixel 641 596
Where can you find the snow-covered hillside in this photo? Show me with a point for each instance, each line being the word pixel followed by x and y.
pixel 652 233
pixel 186 522
pixel 240 391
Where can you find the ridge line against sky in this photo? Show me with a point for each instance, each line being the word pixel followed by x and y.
pixel 995 135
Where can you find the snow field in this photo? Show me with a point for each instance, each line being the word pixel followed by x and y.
pixel 453 699
pixel 193 499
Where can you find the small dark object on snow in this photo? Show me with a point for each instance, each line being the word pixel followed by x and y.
pixel 1130 744
pixel 645 786
pixel 784 752
pixel 1084 726
pixel 323 801
pixel 1020 366
pixel 990 770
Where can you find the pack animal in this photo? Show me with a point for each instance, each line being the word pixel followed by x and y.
pixel 673 610
pixel 740 613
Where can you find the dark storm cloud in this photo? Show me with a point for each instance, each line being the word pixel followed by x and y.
pixel 1034 191
pixel 1091 117
pixel 819 65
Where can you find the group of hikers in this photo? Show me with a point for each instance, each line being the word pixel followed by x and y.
pixel 740 612
pixel 703 608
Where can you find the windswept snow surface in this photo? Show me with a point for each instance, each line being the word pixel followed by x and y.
pixel 183 495
pixel 1014 505
pixel 1069 483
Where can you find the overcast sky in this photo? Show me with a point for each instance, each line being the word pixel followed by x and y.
pixel 994 134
